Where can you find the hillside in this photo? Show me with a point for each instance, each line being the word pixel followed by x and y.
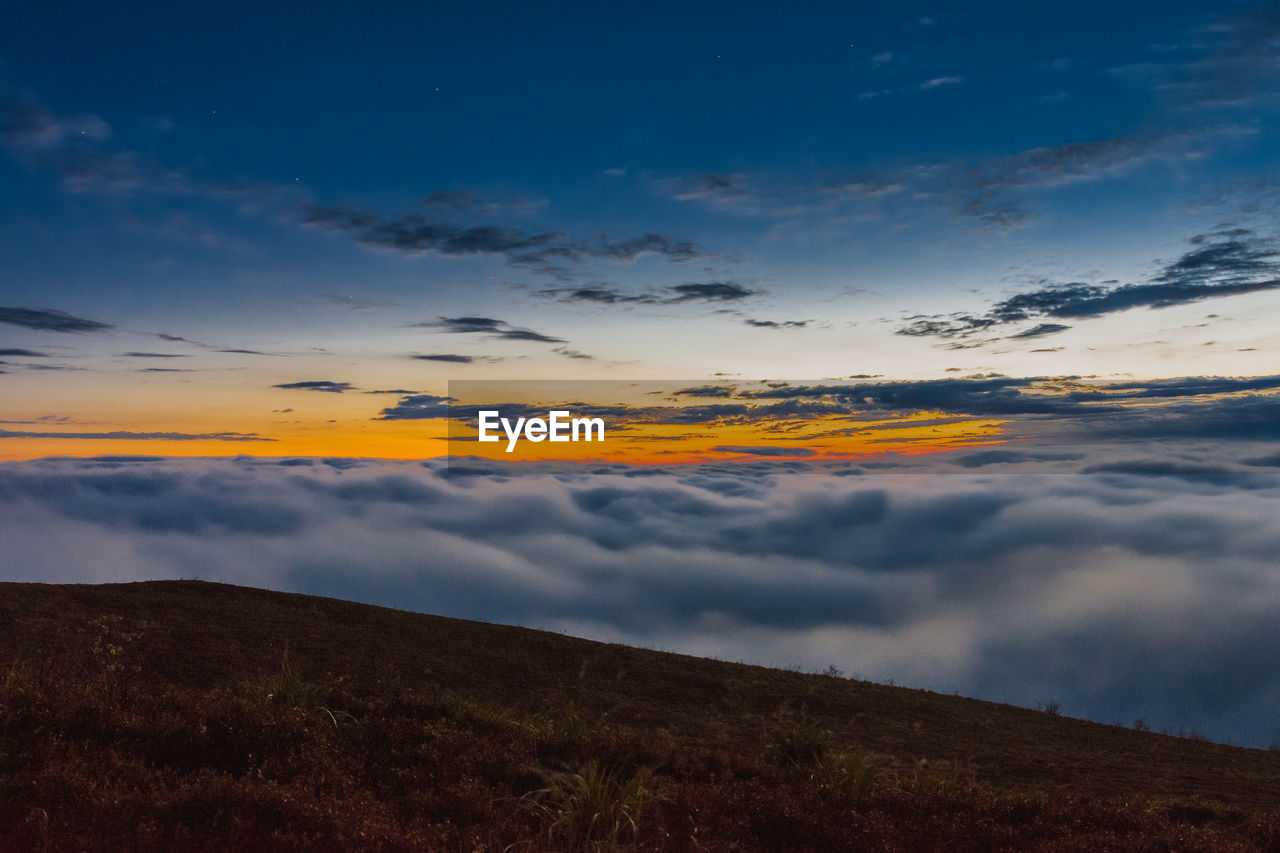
pixel 189 715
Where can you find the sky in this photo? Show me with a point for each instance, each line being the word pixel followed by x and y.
pixel 838 276
pixel 203 207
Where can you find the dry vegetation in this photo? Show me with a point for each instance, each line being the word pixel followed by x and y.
pixel 195 716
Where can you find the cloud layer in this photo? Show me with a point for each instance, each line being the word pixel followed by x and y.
pixel 1146 588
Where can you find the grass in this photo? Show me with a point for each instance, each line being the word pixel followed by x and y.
pixel 195 716
pixel 595 810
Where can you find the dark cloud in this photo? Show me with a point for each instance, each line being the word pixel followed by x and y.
pixel 22 353
pixel 989 457
pixel 1272 461
pixel 1189 471
pixel 710 291
pixel 1239 418
pixel 1218 264
pixel 154 355
pixel 417 407
pixel 447 358
pixel 434 228
pixel 1192 406
pixel 572 353
pixel 139 436
pixel 317 385
pixel 50 320
pixel 1047 408
pixel 627 251
pixel 706 391
pixel 416 234
pixel 765 450
pixel 499 329
pixel 1041 330
pixel 776 324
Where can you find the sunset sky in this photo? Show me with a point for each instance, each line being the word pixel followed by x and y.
pixel 937 341
pixel 257 229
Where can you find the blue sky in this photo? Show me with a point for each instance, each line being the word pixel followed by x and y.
pixel 211 173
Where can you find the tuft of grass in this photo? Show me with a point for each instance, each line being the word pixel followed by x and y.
pixel 286 688
pixel 797 742
pixel 848 773
pixel 595 810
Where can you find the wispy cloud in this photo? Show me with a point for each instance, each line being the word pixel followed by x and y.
pixel 138 436
pixel 417 407
pixel 922 86
pixel 447 358
pixel 431 230
pixel 709 291
pixel 50 320
pixel 490 327
pixel 317 385
pixel 993 193
pixel 1218 264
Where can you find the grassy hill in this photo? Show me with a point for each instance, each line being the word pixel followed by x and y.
pixel 197 716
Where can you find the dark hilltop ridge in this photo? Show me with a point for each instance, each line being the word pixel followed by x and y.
pixel 183 715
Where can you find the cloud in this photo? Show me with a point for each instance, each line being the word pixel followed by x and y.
pixel 50 320
pixel 22 353
pixel 498 329
pixel 154 355
pixel 776 324
pixel 995 193
pixel 923 86
pixel 1223 408
pixel 1041 330
pixel 455 223
pixel 1076 588
pixel 435 229
pixel 712 291
pixel 706 391
pixel 1045 409
pixel 25 123
pixel 139 436
pixel 935 82
pixel 709 291
pixel 447 358
pixel 764 450
pixel 317 385
pixel 1231 64
pixel 572 353
pixel 1218 264
pixel 730 192
pixel 417 407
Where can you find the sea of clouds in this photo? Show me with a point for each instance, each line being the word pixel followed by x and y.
pixel 1140 581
